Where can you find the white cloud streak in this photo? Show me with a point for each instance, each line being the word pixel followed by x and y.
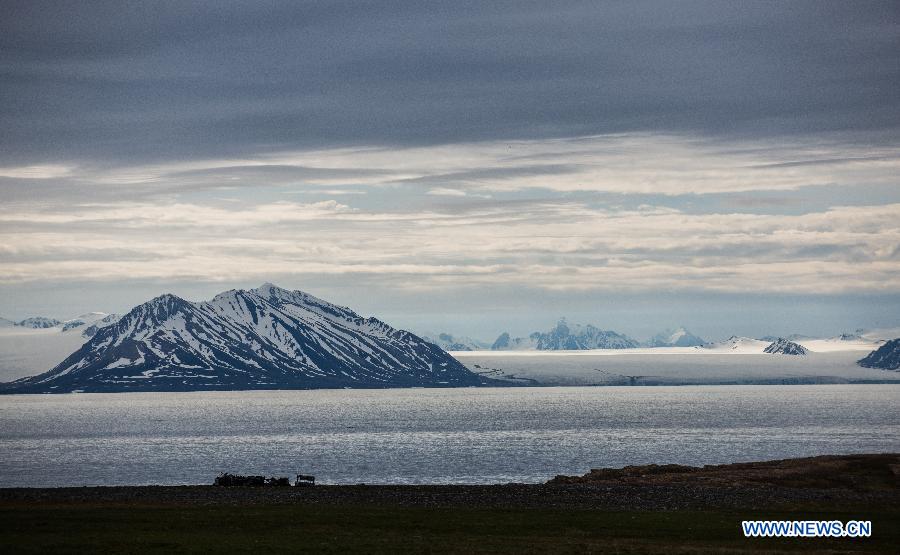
pixel 551 245
pixel 628 164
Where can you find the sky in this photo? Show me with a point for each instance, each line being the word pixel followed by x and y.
pixel 472 167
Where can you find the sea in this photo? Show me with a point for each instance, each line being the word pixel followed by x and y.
pixel 429 436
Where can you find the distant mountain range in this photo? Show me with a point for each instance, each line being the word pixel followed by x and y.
pixel 264 338
pixel 35 322
pixel 564 337
pixel 88 323
pixel 271 338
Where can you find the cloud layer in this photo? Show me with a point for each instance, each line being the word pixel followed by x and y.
pixel 444 150
pixel 162 80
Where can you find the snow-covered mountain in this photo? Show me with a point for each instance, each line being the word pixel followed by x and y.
pixel 566 338
pixel 782 346
pixel 450 342
pixel 264 338
pixel 738 344
pixel 886 357
pixel 677 338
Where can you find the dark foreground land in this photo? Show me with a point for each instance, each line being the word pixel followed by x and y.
pixel 647 509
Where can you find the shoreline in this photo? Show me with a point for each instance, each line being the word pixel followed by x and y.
pixel 510 381
pixel 856 479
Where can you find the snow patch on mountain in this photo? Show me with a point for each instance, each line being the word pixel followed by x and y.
pixel 680 337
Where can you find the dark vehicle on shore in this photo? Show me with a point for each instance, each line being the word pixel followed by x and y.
pixel 229 480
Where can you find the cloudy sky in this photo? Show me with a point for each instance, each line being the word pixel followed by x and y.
pixel 471 167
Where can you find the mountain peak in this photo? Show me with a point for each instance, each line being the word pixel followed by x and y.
pixel 167 301
pixel 680 337
pixel 158 308
pixel 269 289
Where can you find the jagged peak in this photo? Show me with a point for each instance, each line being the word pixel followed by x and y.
pixel 268 288
pixel 785 347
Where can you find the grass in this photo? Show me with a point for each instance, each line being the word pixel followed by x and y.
pixel 391 529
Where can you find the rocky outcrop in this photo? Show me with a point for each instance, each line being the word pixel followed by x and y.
pixel 782 346
pixel 886 357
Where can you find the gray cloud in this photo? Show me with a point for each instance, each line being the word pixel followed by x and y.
pixel 164 80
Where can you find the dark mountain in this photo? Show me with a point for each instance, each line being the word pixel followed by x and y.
pixel 886 357
pixel 782 346
pixel 265 338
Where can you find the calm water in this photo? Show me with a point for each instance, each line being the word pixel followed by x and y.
pixel 429 436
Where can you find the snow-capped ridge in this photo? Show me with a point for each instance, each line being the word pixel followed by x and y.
pixel 738 344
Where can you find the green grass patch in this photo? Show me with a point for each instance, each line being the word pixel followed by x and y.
pixel 385 529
